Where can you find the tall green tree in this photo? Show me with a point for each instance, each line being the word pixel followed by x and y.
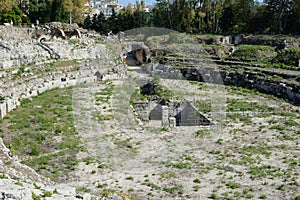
pixel 7 5
pixel 102 23
pixel 113 22
pixel 75 10
pixel 87 23
pixel 59 12
pixel 280 9
pixel 293 19
pixel 125 19
pixel 162 16
pixel 260 22
pixel 13 15
pixel 140 19
pixel 39 10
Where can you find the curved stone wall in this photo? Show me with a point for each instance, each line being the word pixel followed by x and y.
pixel 280 84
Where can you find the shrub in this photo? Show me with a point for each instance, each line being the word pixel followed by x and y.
pixel 47 194
pixel 202 133
pixel 246 52
pixel 36 186
pixel 34 196
pixel 288 57
pixel 233 185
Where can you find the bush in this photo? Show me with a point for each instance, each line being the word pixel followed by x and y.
pixel 34 196
pixel 253 52
pixel 47 194
pixel 288 57
pixel 13 15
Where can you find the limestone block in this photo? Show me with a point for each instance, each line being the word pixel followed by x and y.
pixel 42 89
pixel 6 64
pixel 172 121
pixel 34 93
pixel 3 74
pixel 9 105
pixel 15 71
pixel 2 110
pixel 165 116
pixel 72 82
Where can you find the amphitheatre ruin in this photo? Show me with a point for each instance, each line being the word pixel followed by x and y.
pixel 147 114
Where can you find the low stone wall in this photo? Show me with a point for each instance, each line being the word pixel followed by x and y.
pixel 247 79
pixel 258 80
pixel 38 86
pixel 24 72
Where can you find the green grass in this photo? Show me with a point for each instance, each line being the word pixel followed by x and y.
pixel 264 171
pixel 36 186
pixel 287 58
pixel 47 194
pixel 3 176
pixel 151 185
pixel 233 185
pixel 35 197
pixel 202 133
pixel 167 175
pixel 178 164
pixel 252 150
pixel 203 106
pixel 245 52
pixel 242 106
pixel 83 189
pixel 174 189
pixel 106 91
pixel 43 135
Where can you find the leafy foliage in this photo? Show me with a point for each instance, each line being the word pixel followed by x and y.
pixel 222 16
pixel 288 57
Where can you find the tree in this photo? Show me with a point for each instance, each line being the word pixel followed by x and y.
pixel 39 10
pixel 140 19
pixel 125 19
pixel 293 24
pixel 7 5
pixel 99 23
pixel 87 24
pixel 13 15
pixel 281 10
pixel 260 22
pixel 95 25
pixel 227 20
pixel 75 10
pixel 113 22
pixel 162 16
pixel 59 12
pixel 102 23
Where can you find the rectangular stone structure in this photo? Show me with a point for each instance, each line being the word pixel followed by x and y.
pixel 172 122
pixel 165 116
pixel 2 110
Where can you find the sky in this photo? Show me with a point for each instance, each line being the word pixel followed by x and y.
pixel 125 2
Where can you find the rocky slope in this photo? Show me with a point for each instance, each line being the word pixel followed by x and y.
pixel 28 69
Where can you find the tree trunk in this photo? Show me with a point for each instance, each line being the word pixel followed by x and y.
pixel 279 16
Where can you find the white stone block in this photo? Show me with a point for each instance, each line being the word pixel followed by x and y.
pixel 172 121
pixel 165 116
pixel 6 64
pixel 2 110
